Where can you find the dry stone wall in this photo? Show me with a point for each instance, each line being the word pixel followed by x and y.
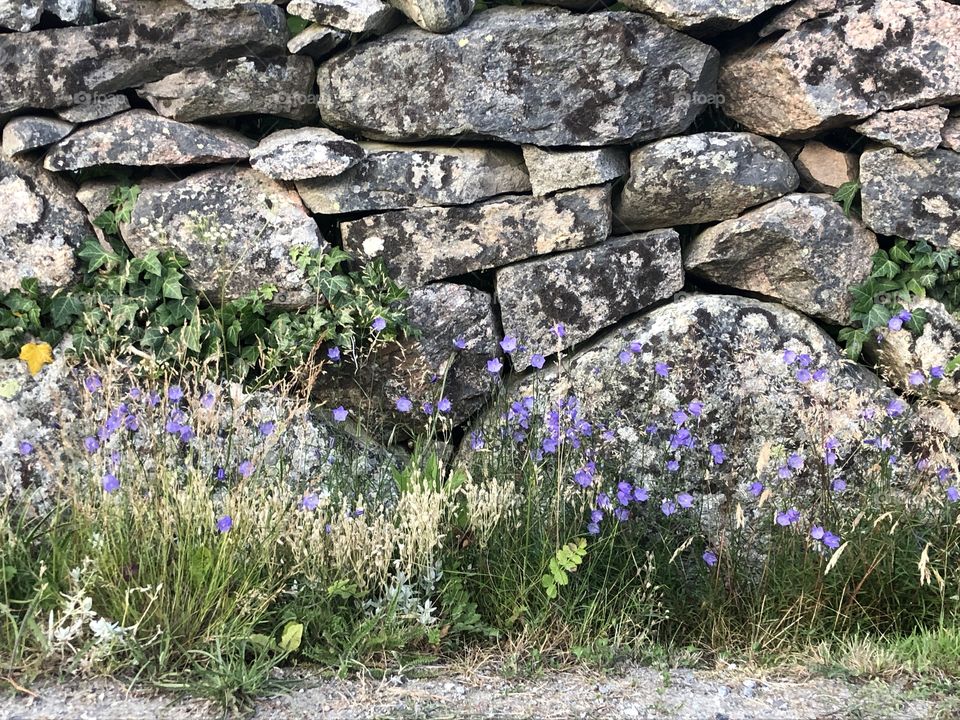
pixel 517 167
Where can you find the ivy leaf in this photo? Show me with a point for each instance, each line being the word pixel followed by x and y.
pixel 171 287
pixel 151 264
pixel 97 256
pixel 877 317
pixel 64 309
pixel 846 195
pixel 36 355
pixel 918 318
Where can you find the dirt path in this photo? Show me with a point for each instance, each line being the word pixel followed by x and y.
pixel 628 693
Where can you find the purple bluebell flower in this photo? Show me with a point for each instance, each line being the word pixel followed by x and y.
pixel 685 500
pixel 896 408
pixel 378 324
pixel 153 399
pixel 593 528
pixel 795 461
pixel 804 360
pixel 943 474
pixel 537 360
pixel 895 323
pixel 783 472
pixel 636 346
pixel 110 483
pixel 609 435
pixel 624 493
pixel 340 414
pixel 789 356
pixel 266 428
pixel 662 369
pixel 673 466
pixel 710 557
pixel 716 453
pixel 936 372
pixel 333 353
pixel 494 366
pixel 816 532
pixel 695 408
pixel 404 404
pixel 560 330
pixel 245 468
pixel 549 445
pixel 224 524
pixel 838 485
pixel 916 377
pixel 756 488
pixel 207 400
pixel 621 514
pixel 668 507
pixel 444 405
pixel 90 444
pixel 953 494
pixel 134 393
pixel 820 374
pixel 641 494
pixel 788 518
pixel 651 429
pixel 310 501
pixel 603 501
pixel 221 473
pixel 132 423
pixel 679 417
pixel 830 540
pixel 25 447
pixel 508 344
pixel 803 375
pixel 584 476
pixel 427 408
pixel 114 458
pixel 460 343
pixel 92 383
pixel 596 515
pixel 625 356
pixel 174 393
pixel 476 440
pixel 186 434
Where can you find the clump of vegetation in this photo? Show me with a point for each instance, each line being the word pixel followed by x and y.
pixel 147 307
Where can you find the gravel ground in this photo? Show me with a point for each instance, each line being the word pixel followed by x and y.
pixel 627 693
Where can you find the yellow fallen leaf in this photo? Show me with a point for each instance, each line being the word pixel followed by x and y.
pixel 36 355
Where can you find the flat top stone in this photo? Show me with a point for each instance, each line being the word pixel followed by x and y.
pixel 543 76
pixel 433 243
pixel 402 176
pixel 702 177
pixel 29 132
pixel 704 17
pixel 317 41
pixel 139 137
pixel 355 16
pixel 305 153
pixel 828 72
pixel 53 68
pixel 563 169
pixel 913 131
pixel 92 107
pixel 823 168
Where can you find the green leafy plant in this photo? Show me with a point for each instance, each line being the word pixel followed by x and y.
pixel 848 195
pixel 900 275
pixel 147 307
pixel 568 558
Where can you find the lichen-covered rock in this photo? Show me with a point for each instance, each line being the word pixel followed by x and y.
pixel 238 86
pixel 866 57
pixel 438 16
pixel 796 13
pixel 90 107
pixel 728 353
pixel 951 134
pixel 458 334
pixel 393 177
pixel 139 138
pixel 586 290
pixel 23 15
pixel 53 68
pixel 235 226
pixel 917 198
pixel 305 153
pixel 563 169
pixel 317 41
pixel 542 76
pixel 800 249
pixel 41 225
pixel 29 132
pixel 356 16
pixel 912 131
pixel 824 169
pixel 433 243
pixel 901 353
pixel 703 17
pixel 702 177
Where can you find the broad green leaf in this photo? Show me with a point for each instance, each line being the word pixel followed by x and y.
pixel 291 637
pixel 64 309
